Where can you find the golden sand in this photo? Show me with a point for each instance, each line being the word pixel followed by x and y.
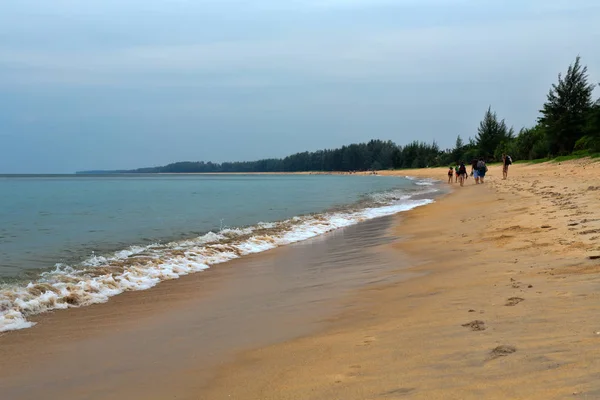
pixel 508 309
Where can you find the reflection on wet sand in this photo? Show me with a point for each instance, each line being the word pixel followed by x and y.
pixel 147 343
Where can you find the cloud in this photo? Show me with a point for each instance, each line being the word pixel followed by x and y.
pixel 469 51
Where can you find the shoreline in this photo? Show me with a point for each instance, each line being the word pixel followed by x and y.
pixel 501 303
pixel 141 267
pixel 507 307
pixel 194 323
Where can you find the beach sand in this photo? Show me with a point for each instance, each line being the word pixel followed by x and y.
pixel 508 308
pixel 491 292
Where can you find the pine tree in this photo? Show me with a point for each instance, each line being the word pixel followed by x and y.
pixel 490 134
pixel 593 121
pixel 567 107
pixel 459 143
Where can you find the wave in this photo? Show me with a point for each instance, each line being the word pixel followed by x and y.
pixel 423 181
pixel 141 267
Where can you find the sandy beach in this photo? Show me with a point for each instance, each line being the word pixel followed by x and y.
pixel 488 293
pixel 507 308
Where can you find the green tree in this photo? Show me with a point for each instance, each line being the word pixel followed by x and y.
pixel 531 143
pixel 591 140
pixel 490 134
pixel 593 121
pixel 458 151
pixel 459 143
pixel 565 113
pixel 376 166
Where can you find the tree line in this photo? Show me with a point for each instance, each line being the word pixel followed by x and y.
pixel 569 121
pixel 374 155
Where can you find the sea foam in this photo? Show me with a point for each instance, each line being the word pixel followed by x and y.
pixel 101 277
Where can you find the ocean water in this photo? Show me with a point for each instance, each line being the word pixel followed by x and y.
pixel 71 241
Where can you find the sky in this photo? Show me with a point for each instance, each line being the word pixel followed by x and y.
pixel 113 84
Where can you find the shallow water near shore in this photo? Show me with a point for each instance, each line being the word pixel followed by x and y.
pixel 142 343
pixel 172 225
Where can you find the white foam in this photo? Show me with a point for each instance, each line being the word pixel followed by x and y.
pixel 232 232
pixel 140 268
pixel 422 181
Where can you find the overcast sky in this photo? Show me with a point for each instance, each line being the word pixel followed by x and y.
pixel 107 84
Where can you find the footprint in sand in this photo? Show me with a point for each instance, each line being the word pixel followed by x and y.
pixel 501 351
pixel 353 373
pixel 589 231
pixel 586 220
pixel 475 325
pixel 513 301
pixel 398 392
pixel 367 341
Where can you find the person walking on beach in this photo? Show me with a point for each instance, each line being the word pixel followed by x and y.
pixel 462 172
pixel 506 161
pixel 481 169
pixel 456 173
pixel 474 171
pixel 450 174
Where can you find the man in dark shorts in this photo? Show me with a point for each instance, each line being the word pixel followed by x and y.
pixel 481 169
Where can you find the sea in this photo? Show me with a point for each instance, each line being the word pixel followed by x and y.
pixel 76 240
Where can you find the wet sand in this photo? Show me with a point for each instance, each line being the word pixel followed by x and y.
pixel 167 342
pixel 491 292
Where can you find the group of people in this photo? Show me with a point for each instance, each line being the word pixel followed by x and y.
pixel 478 170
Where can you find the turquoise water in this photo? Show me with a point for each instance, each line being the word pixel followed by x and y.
pixel 82 239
